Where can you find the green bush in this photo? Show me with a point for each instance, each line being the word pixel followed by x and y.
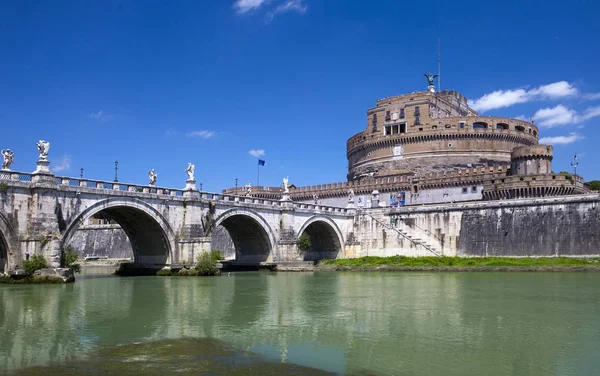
pixel 206 264
pixel 36 262
pixel 304 242
pixel 216 255
pixel 70 260
pixel 164 272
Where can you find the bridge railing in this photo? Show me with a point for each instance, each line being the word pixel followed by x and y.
pixel 126 187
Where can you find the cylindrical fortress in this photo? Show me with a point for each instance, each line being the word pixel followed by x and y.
pixel 528 160
pixel 421 133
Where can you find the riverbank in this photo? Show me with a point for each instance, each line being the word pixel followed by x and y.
pixel 462 264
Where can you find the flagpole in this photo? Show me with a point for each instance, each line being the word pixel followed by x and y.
pixel 257 174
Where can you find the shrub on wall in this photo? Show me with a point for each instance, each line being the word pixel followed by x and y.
pixel 304 242
pixel 36 262
pixel 70 260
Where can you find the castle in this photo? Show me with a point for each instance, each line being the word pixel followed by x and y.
pixel 431 147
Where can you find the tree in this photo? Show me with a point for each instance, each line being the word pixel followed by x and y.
pixel 594 185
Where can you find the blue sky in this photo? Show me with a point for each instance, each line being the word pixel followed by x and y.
pixel 160 84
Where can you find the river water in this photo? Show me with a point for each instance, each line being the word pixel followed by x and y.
pixel 262 323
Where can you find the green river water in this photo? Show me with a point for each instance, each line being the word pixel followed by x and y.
pixel 263 323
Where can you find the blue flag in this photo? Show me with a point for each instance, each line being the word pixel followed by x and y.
pixel 261 162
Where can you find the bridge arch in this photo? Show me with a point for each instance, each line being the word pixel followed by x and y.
pixel 252 237
pixel 7 243
pixel 150 234
pixel 327 241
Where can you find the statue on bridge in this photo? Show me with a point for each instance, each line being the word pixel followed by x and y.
pixel 248 189
pixel 8 159
pixel 190 171
pixel 43 147
pixel 153 176
pixel 285 185
pixel 351 195
pixel 316 199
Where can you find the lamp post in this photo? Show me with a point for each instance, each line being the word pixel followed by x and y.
pixel 236 181
pixel 116 169
pixel 574 164
pixel 81 173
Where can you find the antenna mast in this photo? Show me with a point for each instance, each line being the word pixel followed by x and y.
pixel 439 79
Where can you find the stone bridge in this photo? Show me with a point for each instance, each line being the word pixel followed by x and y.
pixel 41 212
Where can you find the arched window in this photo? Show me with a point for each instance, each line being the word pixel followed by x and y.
pixel 520 128
pixel 503 126
pixel 479 125
pixel 535 133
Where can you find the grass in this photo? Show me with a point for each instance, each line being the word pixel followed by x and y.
pixel 372 262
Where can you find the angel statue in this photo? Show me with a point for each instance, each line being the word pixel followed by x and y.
pixel 248 189
pixel 153 176
pixel 190 171
pixel 430 78
pixel 316 199
pixel 43 147
pixel 351 195
pixel 8 159
pixel 285 185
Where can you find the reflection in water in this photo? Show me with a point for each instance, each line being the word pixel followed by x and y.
pixel 345 323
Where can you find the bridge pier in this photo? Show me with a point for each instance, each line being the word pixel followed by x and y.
pixel 191 248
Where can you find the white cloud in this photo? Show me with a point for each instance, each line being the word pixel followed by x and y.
pixel 287 6
pixel 101 116
pixel 551 117
pixel 562 140
pixel 257 152
pixel 561 115
pixel 245 6
pixel 522 117
pixel 507 98
pixel 63 164
pixel 201 134
pixel 555 90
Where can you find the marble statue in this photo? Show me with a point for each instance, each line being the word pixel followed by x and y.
pixel 43 147
pixel 248 189
pixel 351 195
pixel 430 78
pixel 285 185
pixel 153 176
pixel 8 158
pixel 316 198
pixel 190 171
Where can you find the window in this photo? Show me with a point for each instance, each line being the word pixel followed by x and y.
pixel 474 189
pixel 417 111
pixel 374 118
pixel 502 126
pixel 388 116
pixel 395 129
pixel 449 145
pixel 420 129
pixel 402 114
pixel 461 124
pixel 520 128
pixel 417 120
pixel 465 190
pixel 479 125
pixel 448 126
pixel 434 127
